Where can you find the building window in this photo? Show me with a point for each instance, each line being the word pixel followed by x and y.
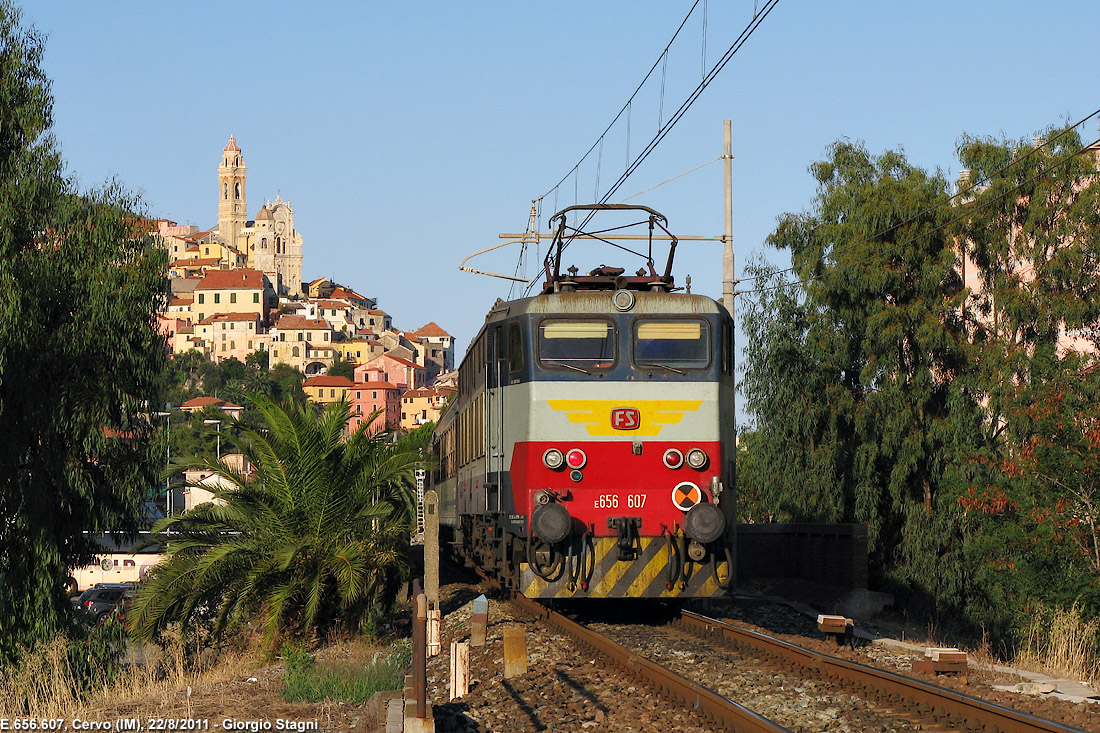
pixel 251 325
pixel 217 297
pixel 232 345
pixel 202 298
pixel 255 297
pixel 301 336
pixel 325 336
pixel 232 297
pixel 282 337
pixel 250 346
pixel 375 395
pixel 223 347
pixel 202 317
pixel 295 351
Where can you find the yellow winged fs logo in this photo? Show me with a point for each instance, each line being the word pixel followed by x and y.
pixel 596 415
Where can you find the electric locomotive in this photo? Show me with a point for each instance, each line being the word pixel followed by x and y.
pixel 588 453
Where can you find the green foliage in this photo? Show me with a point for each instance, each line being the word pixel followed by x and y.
pixel 315 539
pixel 342 369
pixel 308 681
pixel 855 380
pixel 955 422
pixel 80 283
pixel 258 360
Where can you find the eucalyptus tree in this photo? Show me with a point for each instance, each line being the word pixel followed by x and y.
pixel 311 538
pixel 857 369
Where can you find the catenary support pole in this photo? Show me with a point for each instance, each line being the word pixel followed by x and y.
pixel 728 283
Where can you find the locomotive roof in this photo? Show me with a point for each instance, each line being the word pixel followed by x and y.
pixel 599 303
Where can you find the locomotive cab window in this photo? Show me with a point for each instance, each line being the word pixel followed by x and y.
pixel 672 344
pixel 578 345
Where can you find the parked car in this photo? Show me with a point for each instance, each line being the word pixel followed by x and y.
pixel 98 600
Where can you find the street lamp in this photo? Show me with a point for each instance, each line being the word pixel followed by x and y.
pixel 167 464
pixel 219 424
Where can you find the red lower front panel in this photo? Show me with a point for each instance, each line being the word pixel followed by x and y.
pixel 616 482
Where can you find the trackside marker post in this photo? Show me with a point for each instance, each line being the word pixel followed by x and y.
pixel 515 652
pixel 479 621
pixel 460 668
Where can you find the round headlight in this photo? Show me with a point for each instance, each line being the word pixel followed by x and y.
pixel 576 459
pixel 553 459
pixel 673 458
pixel 696 458
pixel 704 522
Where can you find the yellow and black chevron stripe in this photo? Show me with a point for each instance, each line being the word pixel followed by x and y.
pixel 644 577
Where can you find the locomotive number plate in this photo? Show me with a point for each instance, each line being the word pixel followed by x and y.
pixel 614 501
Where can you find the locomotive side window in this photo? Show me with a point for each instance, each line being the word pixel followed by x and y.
pixel 580 345
pixel 672 344
pixel 515 349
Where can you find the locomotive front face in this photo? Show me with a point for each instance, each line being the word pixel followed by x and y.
pixel 587 453
pixel 615 464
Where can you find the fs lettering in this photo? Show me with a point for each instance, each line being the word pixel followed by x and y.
pixel 625 418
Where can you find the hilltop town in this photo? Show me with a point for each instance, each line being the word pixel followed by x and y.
pixel 238 293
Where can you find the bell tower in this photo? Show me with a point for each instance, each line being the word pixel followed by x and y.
pixel 232 210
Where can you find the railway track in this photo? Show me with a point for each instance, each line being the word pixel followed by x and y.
pixel 723 711
pixel 896 698
pixel 939 705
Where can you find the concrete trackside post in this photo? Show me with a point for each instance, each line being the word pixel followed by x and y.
pixel 431 568
pixel 460 668
pixel 479 621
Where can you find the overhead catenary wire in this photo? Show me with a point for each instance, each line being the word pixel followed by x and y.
pixel 977 205
pixel 626 107
pixel 746 33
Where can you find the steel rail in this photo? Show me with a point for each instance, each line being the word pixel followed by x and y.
pixel 718 708
pixel 928 699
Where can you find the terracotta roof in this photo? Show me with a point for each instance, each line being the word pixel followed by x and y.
pixel 326 381
pixel 328 303
pixel 377 313
pixel 373 385
pixel 342 292
pixel 200 402
pixel 431 329
pixel 398 359
pixel 180 302
pixel 232 317
pixel 239 279
pixel 232 146
pixel 291 321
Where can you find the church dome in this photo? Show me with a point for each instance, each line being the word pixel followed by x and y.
pixel 264 214
pixel 232 145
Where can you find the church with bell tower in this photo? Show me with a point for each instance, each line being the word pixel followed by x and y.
pixel 270 242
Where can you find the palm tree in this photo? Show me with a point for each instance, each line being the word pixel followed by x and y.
pixel 312 539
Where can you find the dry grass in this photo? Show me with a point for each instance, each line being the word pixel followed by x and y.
pixel 1060 643
pixel 172 681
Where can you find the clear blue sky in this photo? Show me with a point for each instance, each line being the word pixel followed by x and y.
pixel 408 135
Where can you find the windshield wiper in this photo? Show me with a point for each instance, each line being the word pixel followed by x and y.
pixel 664 366
pixel 574 368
